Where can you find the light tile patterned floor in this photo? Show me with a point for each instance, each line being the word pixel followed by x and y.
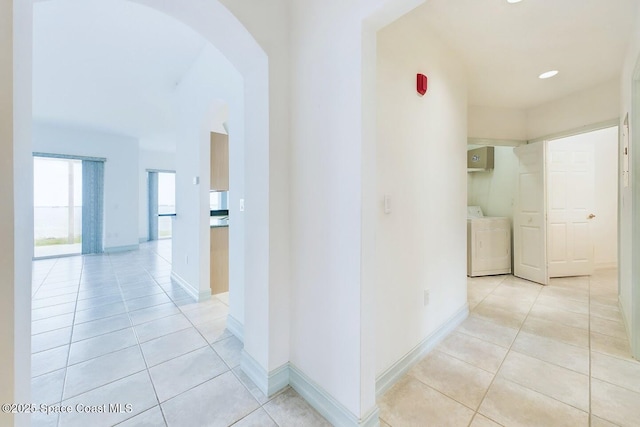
pixel 115 329
pixel 527 355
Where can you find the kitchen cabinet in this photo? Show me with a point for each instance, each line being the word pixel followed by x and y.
pixel 219 265
pixel 219 162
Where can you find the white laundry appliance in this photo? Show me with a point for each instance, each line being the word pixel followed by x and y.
pixel 488 244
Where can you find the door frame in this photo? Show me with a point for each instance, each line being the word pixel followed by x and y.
pixel 148 198
pixel 634 148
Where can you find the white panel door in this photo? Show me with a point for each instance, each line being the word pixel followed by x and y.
pixel 570 184
pixel 529 225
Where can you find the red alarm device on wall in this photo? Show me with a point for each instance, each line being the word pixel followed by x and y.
pixel 421 84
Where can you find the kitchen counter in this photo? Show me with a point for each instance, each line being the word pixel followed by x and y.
pixel 219 221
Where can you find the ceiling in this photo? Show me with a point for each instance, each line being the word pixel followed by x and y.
pixel 506 46
pixel 110 66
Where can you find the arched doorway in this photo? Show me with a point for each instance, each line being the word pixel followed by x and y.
pixel 214 22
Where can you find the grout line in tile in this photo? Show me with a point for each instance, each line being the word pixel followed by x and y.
pixel 44 278
pixel 64 381
pixel 508 351
pixel 144 359
pixel 463 361
pixel 143 412
pixel 615 356
pixel 104 333
pixel 100 386
pixel 489 293
pixel 475 410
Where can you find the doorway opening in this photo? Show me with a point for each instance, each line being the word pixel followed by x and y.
pixel 162 203
pixel 250 60
pixel 57 207
pixel 565 216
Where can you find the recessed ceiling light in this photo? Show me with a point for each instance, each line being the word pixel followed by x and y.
pixel 513 1
pixel 548 74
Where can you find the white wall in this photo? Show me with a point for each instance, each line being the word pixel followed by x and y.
pixel 148 159
pixel 494 190
pixel 23 198
pixel 605 226
pixel 16 190
pixel 421 145
pixel 8 360
pixel 120 175
pixel 210 79
pixel 269 24
pixel 578 110
pixel 326 197
pixel 587 107
pixel 629 239
pixel 333 194
pixel 497 123
pixel 260 53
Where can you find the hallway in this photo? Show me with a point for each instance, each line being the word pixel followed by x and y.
pixel 113 328
pixel 527 355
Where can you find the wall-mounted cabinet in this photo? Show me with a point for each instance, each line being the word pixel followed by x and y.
pixel 480 159
pixel 219 162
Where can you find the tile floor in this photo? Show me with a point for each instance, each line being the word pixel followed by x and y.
pixel 527 355
pixel 115 329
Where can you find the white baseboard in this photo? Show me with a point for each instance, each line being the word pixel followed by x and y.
pixel 114 249
pixel 269 383
pixel 235 327
pixel 278 379
pixel 398 369
pixel 195 293
pixel 624 319
pixel 272 382
pixel 326 405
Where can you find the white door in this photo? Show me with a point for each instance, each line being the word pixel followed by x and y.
pixel 570 190
pixel 529 225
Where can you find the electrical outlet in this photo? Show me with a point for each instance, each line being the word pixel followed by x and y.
pixel 241 205
pixel 426 297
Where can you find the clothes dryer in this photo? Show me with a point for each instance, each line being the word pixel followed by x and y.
pixel 488 244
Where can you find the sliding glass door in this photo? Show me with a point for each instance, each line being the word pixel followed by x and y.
pixel 162 203
pixel 57 205
pixel 68 205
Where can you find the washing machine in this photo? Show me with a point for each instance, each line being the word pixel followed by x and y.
pixel 488 244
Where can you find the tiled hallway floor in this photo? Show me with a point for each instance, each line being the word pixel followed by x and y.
pixel 114 329
pixel 527 355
